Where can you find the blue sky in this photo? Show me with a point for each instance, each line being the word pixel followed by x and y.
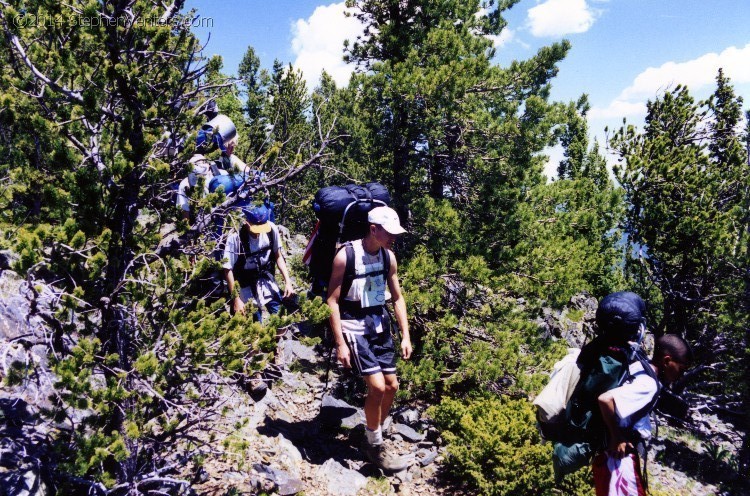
pixel 624 52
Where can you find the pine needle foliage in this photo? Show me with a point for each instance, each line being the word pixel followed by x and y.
pixel 494 446
pixel 141 344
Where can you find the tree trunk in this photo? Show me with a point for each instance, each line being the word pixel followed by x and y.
pixel 437 178
pixel 401 180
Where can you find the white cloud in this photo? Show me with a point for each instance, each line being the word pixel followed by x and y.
pixel 618 109
pixel 318 43
pixel 560 17
pixel 499 40
pixel 696 74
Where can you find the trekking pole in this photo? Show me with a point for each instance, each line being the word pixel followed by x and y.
pixel 395 329
pixel 328 369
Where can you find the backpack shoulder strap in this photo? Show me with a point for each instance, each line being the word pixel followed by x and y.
pixel 386 262
pixel 244 240
pixel 242 252
pixel 349 271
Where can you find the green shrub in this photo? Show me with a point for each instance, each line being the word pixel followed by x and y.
pixel 494 446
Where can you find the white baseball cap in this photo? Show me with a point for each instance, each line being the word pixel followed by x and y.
pixel 387 218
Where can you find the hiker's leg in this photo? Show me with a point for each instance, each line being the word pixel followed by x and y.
pixel 601 474
pixel 383 348
pixel 274 304
pixel 391 386
pixel 376 389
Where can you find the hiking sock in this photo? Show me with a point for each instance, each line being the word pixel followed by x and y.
pixel 374 437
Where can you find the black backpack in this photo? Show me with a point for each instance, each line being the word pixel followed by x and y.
pixel 248 277
pixel 604 364
pixel 342 216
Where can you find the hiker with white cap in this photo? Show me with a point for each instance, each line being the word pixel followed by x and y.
pixel 219 134
pixel 249 258
pixel 363 278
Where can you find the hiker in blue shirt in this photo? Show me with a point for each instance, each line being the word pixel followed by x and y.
pixel 617 470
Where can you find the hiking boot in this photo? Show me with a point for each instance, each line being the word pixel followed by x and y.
pixel 383 459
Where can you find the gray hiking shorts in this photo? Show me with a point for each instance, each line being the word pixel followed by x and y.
pixel 371 353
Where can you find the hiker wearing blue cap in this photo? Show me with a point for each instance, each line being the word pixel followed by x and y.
pixel 249 256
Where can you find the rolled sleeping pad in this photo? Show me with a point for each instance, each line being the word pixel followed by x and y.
pixel 218 131
pixel 223 126
pixel 230 183
pixel 620 316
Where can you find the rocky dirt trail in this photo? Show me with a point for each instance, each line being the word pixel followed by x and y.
pixel 301 437
pixel 298 436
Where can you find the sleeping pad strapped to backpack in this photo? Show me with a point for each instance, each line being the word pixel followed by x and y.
pixel 604 364
pixel 330 205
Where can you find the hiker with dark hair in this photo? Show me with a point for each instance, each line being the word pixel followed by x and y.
pixel 249 259
pixel 363 278
pixel 617 470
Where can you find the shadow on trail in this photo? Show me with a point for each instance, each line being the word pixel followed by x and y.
pixel 23 451
pixel 702 467
pixel 318 439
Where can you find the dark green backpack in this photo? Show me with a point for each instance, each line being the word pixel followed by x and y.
pixel 605 364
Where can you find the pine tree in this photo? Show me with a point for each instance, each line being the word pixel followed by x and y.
pixel 443 120
pixel 685 179
pixel 133 334
pixel 568 232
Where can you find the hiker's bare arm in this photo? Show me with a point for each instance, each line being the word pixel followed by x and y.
pixel 334 291
pixel 618 445
pixel 281 264
pixel 239 164
pixel 399 306
pixel 237 304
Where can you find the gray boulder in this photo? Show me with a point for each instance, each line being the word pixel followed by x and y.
pixel 335 412
pixel 341 481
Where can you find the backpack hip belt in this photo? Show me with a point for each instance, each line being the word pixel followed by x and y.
pixel 353 310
